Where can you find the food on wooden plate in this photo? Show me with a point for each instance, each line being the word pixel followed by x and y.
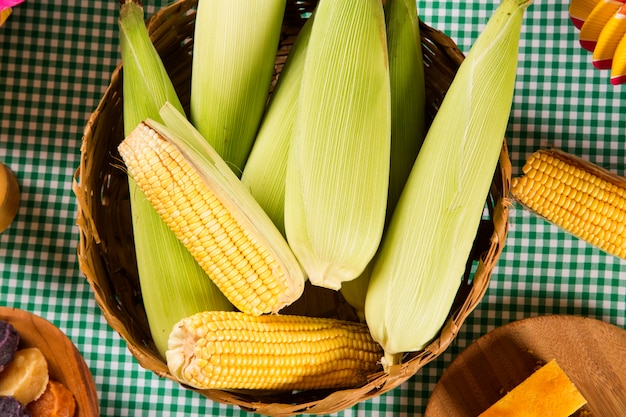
pixel 547 392
pixel 213 214
pixel 423 255
pixel 26 380
pixel 236 350
pixel 26 377
pixel 173 285
pixel 9 341
pixel 581 198
pixel 10 407
pixel 56 401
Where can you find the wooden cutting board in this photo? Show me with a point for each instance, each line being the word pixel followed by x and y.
pixel 592 354
pixel 65 363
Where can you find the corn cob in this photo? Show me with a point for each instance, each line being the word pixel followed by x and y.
pixel 231 350
pixel 406 74
pixel 213 215
pixel 581 198
pixel 422 258
pixel 172 283
pixel 266 168
pixel 338 168
pixel 235 45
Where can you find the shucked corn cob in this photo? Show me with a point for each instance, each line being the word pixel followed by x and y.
pixel 231 350
pixel 173 285
pixel 215 217
pixel 583 199
pixel 420 265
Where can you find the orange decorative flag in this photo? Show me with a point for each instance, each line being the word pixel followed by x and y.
pixel 602 25
pixel 610 36
pixel 595 22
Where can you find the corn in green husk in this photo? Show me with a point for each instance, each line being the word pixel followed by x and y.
pixel 423 255
pixel 338 168
pixel 172 283
pixel 266 169
pixel 235 45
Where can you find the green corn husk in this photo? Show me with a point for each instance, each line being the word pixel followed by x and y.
pixel 235 45
pixel 266 168
pixel 408 111
pixel 172 283
pixel 408 96
pixel 425 249
pixel 338 167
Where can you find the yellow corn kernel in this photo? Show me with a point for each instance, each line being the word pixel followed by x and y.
pixel 588 199
pixel 233 350
pixel 250 271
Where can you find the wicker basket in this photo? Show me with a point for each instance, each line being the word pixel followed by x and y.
pixel 106 251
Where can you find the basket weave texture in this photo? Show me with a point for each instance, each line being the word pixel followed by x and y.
pixel 106 250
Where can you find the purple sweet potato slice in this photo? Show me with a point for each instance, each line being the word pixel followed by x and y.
pixel 10 407
pixel 9 339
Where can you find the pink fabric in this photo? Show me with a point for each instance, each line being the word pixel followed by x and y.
pixel 9 3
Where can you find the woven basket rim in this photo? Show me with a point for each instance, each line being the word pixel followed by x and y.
pixel 108 276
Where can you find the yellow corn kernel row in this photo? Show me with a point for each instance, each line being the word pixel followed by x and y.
pixel 240 267
pixel 581 198
pixel 233 350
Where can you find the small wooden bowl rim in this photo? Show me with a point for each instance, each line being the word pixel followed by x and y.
pixel 65 363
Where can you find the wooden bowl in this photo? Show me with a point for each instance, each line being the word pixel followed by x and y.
pixel 592 354
pixel 65 363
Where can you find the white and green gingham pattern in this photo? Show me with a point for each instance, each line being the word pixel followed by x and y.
pixel 56 59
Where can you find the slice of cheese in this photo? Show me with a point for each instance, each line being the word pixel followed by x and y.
pixel 547 392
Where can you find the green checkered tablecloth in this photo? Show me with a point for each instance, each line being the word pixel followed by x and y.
pixel 56 59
